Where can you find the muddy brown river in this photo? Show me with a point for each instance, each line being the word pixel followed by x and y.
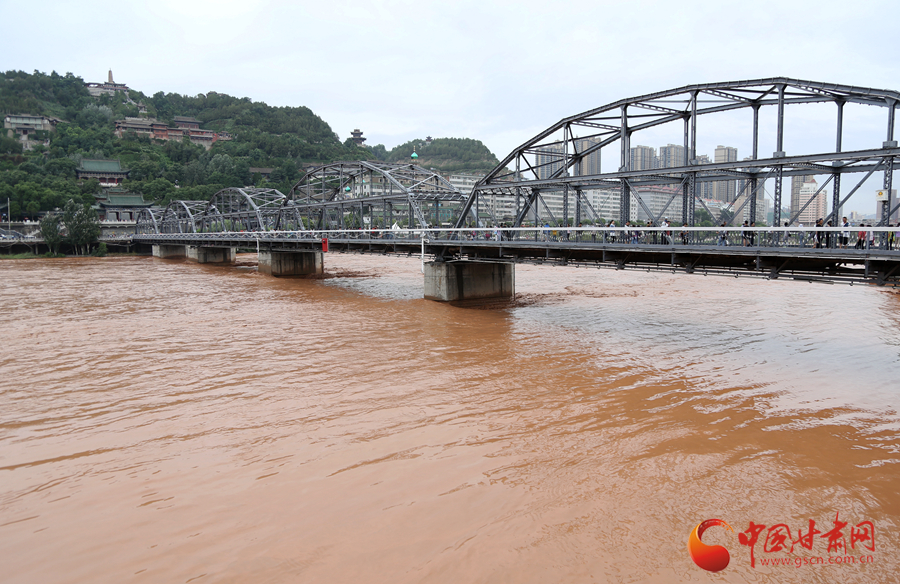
pixel 163 421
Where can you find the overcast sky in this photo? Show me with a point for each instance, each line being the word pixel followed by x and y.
pixel 497 71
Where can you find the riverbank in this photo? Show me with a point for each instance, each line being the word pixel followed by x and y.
pixel 48 255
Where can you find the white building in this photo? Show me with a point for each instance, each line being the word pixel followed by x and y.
pixel 817 208
pixel 464 182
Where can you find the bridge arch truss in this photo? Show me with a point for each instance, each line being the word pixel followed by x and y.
pixel 235 209
pixel 342 195
pixel 230 209
pixel 591 152
pixel 370 194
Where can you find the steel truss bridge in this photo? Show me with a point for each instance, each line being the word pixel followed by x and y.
pixel 565 158
pixel 403 208
pixel 335 196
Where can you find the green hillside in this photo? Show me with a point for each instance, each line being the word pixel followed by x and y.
pixel 286 139
pixel 443 154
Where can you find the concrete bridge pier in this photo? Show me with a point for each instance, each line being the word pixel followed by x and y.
pixel 211 255
pixel 465 280
pixel 168 251
pixel 290 263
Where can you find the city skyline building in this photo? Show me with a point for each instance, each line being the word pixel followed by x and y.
pixel 796 184
pixel 670 156
pixel 725 190
pixel 549 159
pixel 590 164
pixel 817 208
pixel 643 158
pixel 704 189
pixel 731 194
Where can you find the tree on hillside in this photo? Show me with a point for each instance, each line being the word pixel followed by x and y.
pixel 285 139
pixel 447 154
pixel 9 145
pixel 380 152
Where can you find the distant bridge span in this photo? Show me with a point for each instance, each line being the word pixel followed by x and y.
pixel 333 196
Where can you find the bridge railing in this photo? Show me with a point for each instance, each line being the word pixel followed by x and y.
pixel 856 238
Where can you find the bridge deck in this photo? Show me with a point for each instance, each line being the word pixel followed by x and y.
pixel 798 261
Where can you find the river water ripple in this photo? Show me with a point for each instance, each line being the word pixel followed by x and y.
pixel 162 421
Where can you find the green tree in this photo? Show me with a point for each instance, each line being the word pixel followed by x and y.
pixel 82 225
pixel 64 167
pixel 380 152
pixel 90 187
pixel 9 145
pixel 51 232
pixel 702 218
pixel 159 190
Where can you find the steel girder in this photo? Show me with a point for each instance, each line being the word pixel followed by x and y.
pixel 331 195
pixel 180 216
pixel 340 194
pixel 148 221
pixel 328 182
pixel 235 209
pixel 553 160
pixel 231 209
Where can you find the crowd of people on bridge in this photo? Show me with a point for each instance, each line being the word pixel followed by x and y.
pixel 747 235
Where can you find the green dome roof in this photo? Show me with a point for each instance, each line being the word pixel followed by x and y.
pixel 414 155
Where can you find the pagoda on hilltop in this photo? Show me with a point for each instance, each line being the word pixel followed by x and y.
pixel 108 88
pixel 357 137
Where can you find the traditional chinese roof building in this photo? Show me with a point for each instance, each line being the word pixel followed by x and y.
pixel 27 127
pixel 157 130
pixel 109 172
pixel 108 88
pixel 185 122
pixel 24 124
pixel 357 137
pixel 118 204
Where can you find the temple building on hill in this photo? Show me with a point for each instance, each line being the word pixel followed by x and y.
pixel 118 204
pixel 30 130
pixel 185 128
pixel 185 122
pixel 109 172
pixel 108 88
pixel 357 137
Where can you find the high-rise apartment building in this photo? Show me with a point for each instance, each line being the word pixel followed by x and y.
pixel 606 202
pixel 665 200
pixel 796 184
pixel 671 156
pixel 704 189
pixel 743 193
pixel 724 190
pixel 643 158
pixel 549 160
pixel 817 208
pixel 590 164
